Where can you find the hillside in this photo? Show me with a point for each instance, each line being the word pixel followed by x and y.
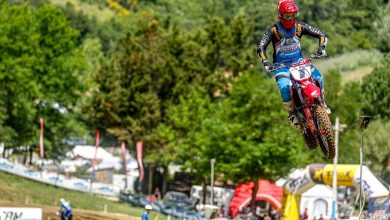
pixel 92 10
pixel 16 191
pixel 352 65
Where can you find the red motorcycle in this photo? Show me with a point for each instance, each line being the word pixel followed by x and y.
pixel 310 107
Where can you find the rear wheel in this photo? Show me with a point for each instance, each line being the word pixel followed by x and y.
pixel 325 133
pixel 310 138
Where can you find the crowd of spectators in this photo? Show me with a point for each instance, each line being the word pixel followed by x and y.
pixel 261 213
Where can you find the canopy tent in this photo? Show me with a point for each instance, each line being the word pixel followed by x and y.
pixel 88 152
pixel 318 201
pixel 347 175
pixel 267 192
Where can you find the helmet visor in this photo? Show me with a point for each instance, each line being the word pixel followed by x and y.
pixel 289 16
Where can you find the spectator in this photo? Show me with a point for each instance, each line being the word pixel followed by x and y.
pixel 221 212
pixel 251 216
pixel 199 206
pixel 305 215
pixel 145 214
pixel 275 215
pixel 157 193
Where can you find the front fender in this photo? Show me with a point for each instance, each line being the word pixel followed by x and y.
pixel 312 91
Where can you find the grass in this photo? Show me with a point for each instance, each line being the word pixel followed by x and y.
pixel 353 65
pixel 357 74
pixel 92 10
pixel 19 190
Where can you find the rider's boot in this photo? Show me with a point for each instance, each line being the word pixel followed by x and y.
pixel 289 106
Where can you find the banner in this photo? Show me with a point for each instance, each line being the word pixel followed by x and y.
pixel 315 171
pixel 379 208
pixel 123 146
pixel 372 187
pixel 41 150
pixel 299 181
pixel 345 174
pixel 323 174
pixel 20 213
pixel 139 159
pixel 97 145
pixel 290 206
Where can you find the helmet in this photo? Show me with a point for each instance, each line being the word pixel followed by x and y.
pixel 148 207
pixel 62 201
pixel 287 13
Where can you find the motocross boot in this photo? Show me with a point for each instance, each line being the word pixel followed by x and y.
pixel 289 106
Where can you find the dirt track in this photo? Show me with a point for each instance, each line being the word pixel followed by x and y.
pixel 50 213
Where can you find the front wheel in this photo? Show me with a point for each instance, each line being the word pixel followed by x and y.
pixel 310 138
pixel 325 132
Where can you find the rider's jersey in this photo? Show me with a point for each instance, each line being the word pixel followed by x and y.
pixel 67 208
pixel 286 42
pixel 145 216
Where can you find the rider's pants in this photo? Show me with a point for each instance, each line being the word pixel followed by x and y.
pixel 282 77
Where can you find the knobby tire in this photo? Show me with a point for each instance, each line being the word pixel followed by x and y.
pixel 310 138
pixel 326 140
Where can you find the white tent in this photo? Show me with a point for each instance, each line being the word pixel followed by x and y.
pixel 71 165
pixel 88 152
pixel 107 163
pixel 317 200
pixel 132 164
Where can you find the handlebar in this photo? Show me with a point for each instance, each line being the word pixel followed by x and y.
pixel 282 64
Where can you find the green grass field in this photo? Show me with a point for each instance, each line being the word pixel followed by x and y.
pixel 19 190
pixel 352 65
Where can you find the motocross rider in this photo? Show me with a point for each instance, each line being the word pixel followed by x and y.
pixel 285 36
pixel 65 211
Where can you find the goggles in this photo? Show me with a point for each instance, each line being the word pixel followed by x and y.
pixel 289 16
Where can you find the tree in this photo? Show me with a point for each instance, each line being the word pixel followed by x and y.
pixel 187 133
pixel 376 92
pixel 376 143
pixel 245 132
pixel 261 143
pixel 383 29
pixel 348 109
pixel 41 71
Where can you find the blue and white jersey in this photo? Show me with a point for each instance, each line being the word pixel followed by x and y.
pixel 289 46
pixel 68 209
pixel 145 216
pixel 287 42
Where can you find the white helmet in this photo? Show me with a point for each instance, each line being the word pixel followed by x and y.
pixel 148 207
pixel 62 201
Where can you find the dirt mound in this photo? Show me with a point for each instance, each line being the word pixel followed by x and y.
pixel 78 214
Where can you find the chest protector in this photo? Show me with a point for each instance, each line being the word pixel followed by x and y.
pixel 288 46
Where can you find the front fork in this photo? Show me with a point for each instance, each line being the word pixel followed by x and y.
pixel 309 120
pixel 306 111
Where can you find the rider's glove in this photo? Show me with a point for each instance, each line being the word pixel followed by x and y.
pixel 321 52
pixel 268 66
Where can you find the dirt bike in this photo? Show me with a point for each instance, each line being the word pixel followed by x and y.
pixel 310 106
